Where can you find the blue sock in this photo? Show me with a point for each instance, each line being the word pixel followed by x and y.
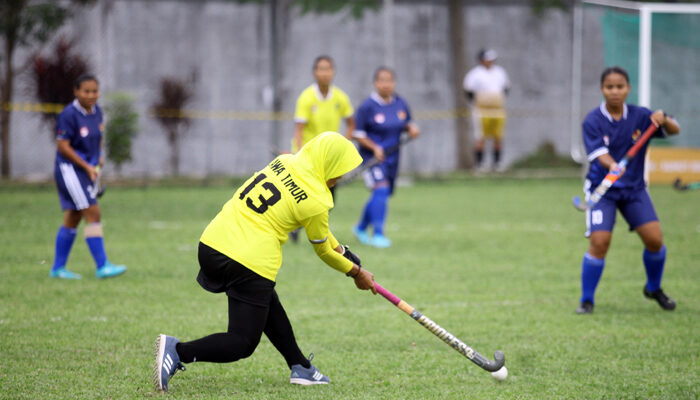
pixel 591 270
pixel 654 264
pixel 96 244
pixel 64 242
pixel 366 216
pixel 378 206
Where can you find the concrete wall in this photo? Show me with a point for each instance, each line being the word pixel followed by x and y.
pixel 224 49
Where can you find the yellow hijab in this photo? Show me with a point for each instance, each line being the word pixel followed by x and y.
pixel 327 156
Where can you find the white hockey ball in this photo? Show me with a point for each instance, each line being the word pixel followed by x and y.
pixel 501 374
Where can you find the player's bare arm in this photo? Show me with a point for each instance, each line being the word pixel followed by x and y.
pixel 369 144
pixel 298 137
pixel 413 130
pixel 349 126
pixel 660 118
pixel 607 161
pixel 101 162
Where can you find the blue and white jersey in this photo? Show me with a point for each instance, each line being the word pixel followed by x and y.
pixel 82 130
pixel 603 135
pixel 382 122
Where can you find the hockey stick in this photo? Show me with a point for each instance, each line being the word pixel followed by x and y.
pixel 347 178
pixel 101 188
pixel 688 186
pixel 615 174
pixel 442 333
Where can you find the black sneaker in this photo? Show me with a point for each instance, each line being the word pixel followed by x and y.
pixel 664 301
pixel 585 308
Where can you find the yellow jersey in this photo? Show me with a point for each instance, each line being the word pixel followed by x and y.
pixel 321 114
pixel 290 192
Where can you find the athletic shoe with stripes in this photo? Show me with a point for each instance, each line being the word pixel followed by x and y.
pixel 167 361
pixel 307 376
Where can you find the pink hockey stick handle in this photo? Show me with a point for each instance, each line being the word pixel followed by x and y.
pixel 387 294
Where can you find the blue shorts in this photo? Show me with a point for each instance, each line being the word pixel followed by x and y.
pixel 75 189
pixel 634 205
pixel 378 174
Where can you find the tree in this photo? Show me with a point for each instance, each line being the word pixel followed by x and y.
pixel 53 78
pixel 540 7
pixel 121 128
pixel 279 13
pixel 173 95
pixel 23 23
pixel 464 144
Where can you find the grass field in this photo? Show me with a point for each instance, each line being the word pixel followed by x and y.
pixel 494 261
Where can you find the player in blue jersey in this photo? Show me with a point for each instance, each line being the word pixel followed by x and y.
pixel 78 158
pixel 379 122
pixel 608 132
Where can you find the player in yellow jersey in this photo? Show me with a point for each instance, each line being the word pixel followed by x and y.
pixel 321 106
pixel 240 254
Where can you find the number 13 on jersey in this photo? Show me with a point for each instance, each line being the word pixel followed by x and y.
pixel 265 202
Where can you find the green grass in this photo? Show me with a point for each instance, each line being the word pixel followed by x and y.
pixel 494 261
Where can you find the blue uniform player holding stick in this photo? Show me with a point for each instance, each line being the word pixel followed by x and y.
pixel 609 131
pixel 78 158
pixel 380 120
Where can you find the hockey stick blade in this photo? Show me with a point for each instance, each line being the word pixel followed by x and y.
pixel 580 205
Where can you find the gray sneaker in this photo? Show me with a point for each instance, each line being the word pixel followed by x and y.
pixel 167 362
pixel 307 376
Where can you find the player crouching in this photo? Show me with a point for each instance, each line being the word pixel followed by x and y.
pixel 240 253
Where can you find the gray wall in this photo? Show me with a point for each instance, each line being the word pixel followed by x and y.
pixel 223 47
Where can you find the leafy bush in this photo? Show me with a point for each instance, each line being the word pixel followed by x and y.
pixel 120 129
pixel 52 77
pixel 169 108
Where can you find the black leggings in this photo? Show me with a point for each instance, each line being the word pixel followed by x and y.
pixel 246 324
pixel 247 320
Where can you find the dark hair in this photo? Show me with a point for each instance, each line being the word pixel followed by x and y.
pixel 614 70
pixel 84 78
pixel 383 68
pixel 321 58
pixel 480 54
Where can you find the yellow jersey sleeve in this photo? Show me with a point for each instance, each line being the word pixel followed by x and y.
pixel 325 243
pixel 334 241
